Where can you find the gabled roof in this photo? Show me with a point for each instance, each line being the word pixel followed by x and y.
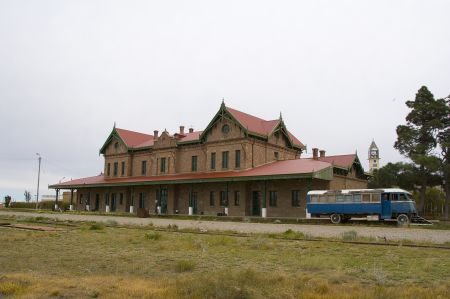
pixel 344 161
pixel 135 139
pixel 250 123
pixel 253 123
pixel 297 168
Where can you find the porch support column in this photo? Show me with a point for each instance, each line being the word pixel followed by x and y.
pixel 264 209
pixel 158 207
pixel 56 199
pixel 191 208
pixel 227 199
pixel 71 200
pixel 131 199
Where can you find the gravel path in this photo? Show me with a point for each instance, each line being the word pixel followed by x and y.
pixel 316 230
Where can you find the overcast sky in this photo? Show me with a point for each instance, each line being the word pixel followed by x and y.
pixel 339 71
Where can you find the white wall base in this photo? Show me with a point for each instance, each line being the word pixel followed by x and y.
pixel 71 207
pixel 88 208
pixel 226 211
pixel 308 215
pixel 264 212
pixel 191 211
pixel 158 209
pixel 131 209
pixel 56 207
pixel 107 209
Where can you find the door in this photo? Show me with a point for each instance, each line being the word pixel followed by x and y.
pixel 194 202
pixel 113 202
pixel 386 212
pixel 97 202
pixel 163 200
pixel 256 206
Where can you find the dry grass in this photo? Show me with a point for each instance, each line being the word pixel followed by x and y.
pixel 114 262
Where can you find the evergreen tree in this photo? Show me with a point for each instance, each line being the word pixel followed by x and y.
pixel 443 139
pixel 418 139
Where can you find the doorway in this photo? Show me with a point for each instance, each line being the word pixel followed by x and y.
pixel 256 206
pixel 113 202
pixel 194 202
pixel 97 202
pixel 163 193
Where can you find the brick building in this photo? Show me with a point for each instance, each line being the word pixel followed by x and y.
pixel 240 165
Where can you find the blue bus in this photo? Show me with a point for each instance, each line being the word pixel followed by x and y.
pixel 341 205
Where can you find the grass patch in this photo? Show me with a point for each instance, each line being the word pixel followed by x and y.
pixel 184 266
pixel 96 226
pixel 187 265
pixel 153 236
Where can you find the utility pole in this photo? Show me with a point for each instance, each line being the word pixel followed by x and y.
pixel 39 176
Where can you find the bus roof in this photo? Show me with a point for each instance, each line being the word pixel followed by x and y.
pixel 346 191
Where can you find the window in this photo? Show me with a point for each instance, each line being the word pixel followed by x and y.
pixel 225 129
pixel 273 196
pixel 123 169
pixel 116 146
pixel 224 198
pixel 295 198
pixel 275 155
pixel 211 198
pixel 194 163
pixel 213 161
pixel 163 165
pixel 144 167
pixel 121 199
pixel 237 161
pixel 108 169
pixel 142 199
pixel 237 198
pixel 225 160
pixel 115 169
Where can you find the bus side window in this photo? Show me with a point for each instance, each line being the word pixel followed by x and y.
pixel 394 196
pixel 385 196
pixel 375 198
pixel 339 198
pixel 314 198
pixel 323 198
pixel 402 197
pixel 331 198
pixel 357 197
pixel 366 197
pixel 348 198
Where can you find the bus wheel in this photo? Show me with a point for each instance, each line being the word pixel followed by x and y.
pixel 402 219
pixel 335 218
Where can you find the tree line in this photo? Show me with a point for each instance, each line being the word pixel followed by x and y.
pixel 425 141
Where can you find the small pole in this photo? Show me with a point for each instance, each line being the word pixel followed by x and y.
pixel 39 176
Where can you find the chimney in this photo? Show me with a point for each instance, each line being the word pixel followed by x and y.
pixel 181 130
pixel 155 134
pixel 191 130
pixel 315 153
pixel 322 153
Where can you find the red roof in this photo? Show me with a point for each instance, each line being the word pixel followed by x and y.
pixel 278 168
pixel 344 161
pixel 252 123
pixel 134 139
pixel 259 125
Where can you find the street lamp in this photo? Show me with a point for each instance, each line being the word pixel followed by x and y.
pixel 39 176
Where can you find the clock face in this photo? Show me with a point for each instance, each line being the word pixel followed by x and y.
pixel 373 153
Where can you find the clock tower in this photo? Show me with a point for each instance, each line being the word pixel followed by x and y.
pixel 374 157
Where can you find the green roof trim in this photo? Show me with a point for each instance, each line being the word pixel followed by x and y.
pixel 111 135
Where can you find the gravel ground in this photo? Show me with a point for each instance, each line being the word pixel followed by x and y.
pixel 315 230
